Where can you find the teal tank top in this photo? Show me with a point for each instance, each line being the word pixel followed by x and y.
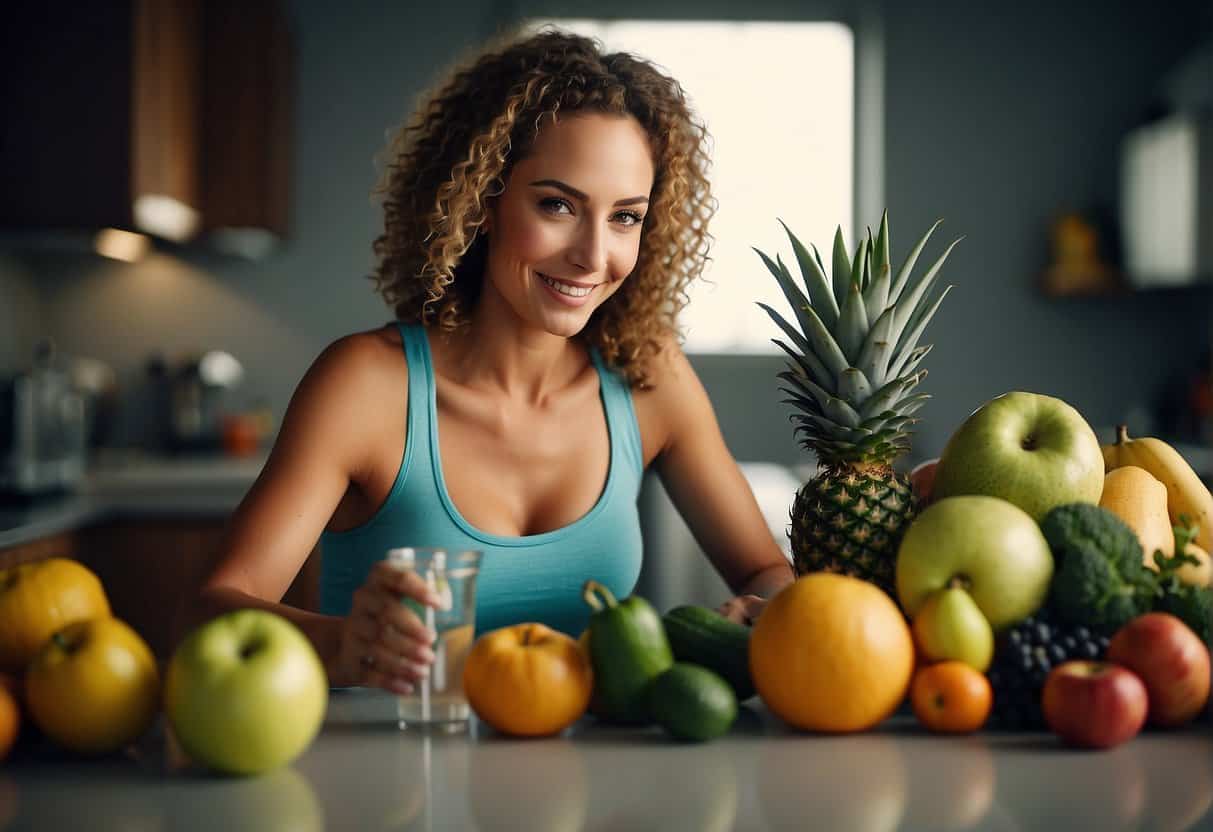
pixel 532 578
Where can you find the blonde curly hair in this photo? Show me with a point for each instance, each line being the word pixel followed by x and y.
pixel 456 153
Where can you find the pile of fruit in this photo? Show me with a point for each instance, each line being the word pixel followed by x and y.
pixel 1028 553
pixel 90 685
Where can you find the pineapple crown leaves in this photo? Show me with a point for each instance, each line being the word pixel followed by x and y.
pixel 854 354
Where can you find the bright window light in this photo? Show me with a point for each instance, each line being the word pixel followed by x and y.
pixel 778 100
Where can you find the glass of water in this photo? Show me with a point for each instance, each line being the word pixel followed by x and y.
pixel 438 700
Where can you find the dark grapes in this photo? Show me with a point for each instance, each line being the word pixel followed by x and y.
pixel 1022 660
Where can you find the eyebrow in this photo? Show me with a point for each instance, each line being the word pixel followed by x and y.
pixel 571 191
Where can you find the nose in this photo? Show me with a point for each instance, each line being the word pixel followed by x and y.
pixel 589 249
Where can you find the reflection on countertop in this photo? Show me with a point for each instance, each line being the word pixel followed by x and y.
pixel 127 483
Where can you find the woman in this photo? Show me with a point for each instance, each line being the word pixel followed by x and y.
pixel 545 211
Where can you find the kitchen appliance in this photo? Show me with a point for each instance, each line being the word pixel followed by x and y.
pixel 44 428
pixel 1166 201
pixel 194 398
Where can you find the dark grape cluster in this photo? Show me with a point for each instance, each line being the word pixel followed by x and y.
pixel 1023 657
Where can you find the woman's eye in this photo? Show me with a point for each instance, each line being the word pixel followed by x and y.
pixel 557 205
pixel 553 204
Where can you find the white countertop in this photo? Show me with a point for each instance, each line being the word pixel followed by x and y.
pixel 363 773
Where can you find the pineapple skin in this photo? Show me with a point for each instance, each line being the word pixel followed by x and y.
pixel 850 520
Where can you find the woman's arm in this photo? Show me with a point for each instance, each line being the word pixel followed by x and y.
pixel 319 450
pixel 707 486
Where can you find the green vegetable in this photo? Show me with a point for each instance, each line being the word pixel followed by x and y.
pixel 628 649
pixel 1192 604
pixel 1099 579
pixel 706 638
pixel 692 702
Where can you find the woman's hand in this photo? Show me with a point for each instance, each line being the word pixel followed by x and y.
pixel 744 609
pixel 383 642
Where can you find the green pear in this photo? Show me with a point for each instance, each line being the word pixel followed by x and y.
pixel 951 626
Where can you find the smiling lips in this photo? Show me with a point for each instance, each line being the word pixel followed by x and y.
pixel 570 293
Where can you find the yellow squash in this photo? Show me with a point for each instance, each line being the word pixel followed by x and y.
pixel 1187 496
pixel 1134 495
pixel 1199 573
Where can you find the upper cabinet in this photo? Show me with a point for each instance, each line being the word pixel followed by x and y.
pixel 167 117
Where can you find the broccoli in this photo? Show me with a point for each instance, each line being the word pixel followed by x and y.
pixel 1192 604
pixel 1099 579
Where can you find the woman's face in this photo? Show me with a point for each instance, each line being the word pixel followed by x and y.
pixel 565 232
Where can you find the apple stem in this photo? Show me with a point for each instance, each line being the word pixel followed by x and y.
pixel 526 637
pixel 959 582
pixel 1122 434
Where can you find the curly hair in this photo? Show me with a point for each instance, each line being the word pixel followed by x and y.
pixel 456 153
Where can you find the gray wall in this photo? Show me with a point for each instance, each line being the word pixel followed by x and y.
pixel 995 120
pixel 20 313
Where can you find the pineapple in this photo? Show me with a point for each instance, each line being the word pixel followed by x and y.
pixel 854 364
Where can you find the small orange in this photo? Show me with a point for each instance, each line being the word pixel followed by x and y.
pixel 951 697
pixel 10 719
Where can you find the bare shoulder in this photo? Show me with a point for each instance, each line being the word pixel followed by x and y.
pixel 345 387
pixel 353 367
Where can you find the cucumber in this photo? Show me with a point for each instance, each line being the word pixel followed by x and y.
pixel 706 638
pixel 691 702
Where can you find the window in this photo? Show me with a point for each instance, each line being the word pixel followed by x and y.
pixel 778 100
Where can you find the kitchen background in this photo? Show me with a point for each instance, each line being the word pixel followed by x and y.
pixel 1001 118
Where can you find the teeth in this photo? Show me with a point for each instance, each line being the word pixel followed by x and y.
pixel 564 288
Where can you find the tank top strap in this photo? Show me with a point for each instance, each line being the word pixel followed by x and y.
pixel 621 416
pixel 421 380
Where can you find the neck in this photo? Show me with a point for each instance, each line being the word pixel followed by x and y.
pixel 496 352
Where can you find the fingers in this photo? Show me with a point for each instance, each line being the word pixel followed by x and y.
pixel 743 609
pixel 392 643
pixel 402 583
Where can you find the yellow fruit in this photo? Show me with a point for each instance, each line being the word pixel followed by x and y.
pixel 94 686
pixel 1200 574
pixel 37 599
pixel 528 680
pixel 831 653
pixel 1135 496
pixel 1187 496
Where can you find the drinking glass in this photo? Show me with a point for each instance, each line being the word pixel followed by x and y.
pixel 438 699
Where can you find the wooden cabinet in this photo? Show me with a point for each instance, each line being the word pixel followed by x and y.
pixel 149 564
pixel 62 545
pixel 171 118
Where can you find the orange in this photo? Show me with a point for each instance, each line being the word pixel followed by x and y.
pixel 951 697
pixel 528 680
pixel 10 719
pixel 831 653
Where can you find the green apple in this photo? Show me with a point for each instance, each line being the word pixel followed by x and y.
pixel 245 692
pixel 950 626
pixel 1034 451
pixel 987 546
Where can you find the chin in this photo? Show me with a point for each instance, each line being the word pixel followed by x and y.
pixel 566 329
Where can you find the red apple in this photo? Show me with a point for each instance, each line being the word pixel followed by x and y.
pixel 1171 660
pixel 1094 704
pixel 922 479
